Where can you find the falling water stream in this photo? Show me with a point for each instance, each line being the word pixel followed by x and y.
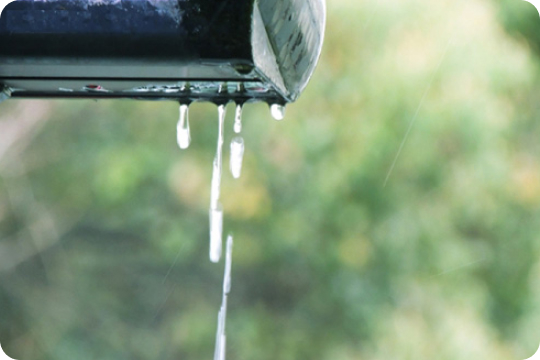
pixel 219 352
pixel 237 145
pixel 216 208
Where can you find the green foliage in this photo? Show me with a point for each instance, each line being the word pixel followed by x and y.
pixel 392 215
pixel 520 18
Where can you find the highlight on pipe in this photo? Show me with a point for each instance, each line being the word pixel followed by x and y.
pixel 3 4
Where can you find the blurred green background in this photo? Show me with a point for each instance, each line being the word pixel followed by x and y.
pixel 343 250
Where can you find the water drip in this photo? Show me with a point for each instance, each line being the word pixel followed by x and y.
pixel 238 119
pixel 216 211
pixel 218 159
pixel 277 111
pixel 237 156
pixel 183 136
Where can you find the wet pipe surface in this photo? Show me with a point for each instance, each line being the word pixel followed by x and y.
pixel 117 48
pixel 162 30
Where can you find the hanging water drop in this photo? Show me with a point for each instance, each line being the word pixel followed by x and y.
pixel 238 119
pixel 216 211
pixel 277 111
pixel 237 156
pixel 217 164
pixel 183 136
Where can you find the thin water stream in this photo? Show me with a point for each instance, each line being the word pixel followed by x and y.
pixel 216 209
pixel 221 338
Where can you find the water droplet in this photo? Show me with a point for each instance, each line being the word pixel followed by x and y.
pixel 277 111
pixel 183 136
pixel 237 156
pixel 238 119
pixel 216 232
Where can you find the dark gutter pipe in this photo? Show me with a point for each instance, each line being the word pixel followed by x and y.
pixel 186 50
